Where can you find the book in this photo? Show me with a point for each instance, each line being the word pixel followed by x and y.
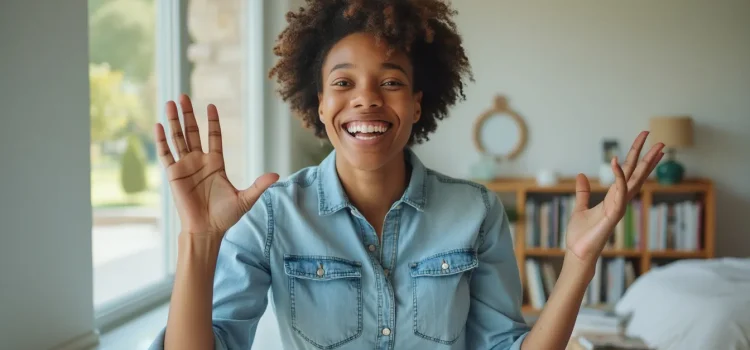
pixel 594 341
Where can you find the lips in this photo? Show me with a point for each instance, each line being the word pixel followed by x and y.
pixel 367 130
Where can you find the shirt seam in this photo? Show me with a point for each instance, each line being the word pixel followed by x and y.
pixel 270 227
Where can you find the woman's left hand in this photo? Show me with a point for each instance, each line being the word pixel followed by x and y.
pixel 589 228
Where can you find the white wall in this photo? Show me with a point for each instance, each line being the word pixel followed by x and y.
pixel 582 70
pixel 45 235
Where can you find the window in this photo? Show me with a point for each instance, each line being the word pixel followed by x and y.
pixel 134 67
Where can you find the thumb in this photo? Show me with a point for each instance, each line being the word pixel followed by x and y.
pixel 252 193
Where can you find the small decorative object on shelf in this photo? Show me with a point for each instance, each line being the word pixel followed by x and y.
pixel 546 177
pixel 484 169
pixel 676 133
pixel 663 223
pixel 610 149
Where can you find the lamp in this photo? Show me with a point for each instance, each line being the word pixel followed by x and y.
pixel 676 132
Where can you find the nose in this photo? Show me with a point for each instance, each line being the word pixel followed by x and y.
pixel 367 97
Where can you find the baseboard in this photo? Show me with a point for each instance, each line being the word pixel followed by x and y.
pixel 87 341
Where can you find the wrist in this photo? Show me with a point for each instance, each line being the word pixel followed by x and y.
pixel 198 250
pixel 578 269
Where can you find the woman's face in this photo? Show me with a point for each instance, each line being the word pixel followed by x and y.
pixel 367 102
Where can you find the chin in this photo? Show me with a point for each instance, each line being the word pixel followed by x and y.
pixel 369 153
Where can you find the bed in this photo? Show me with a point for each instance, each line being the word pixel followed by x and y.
pixel 691 304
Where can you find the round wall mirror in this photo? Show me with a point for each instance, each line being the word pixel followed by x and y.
pixel 500 132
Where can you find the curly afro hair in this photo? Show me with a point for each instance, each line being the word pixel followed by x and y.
pixel 423 29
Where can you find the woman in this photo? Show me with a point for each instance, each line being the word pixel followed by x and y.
pixel 370 249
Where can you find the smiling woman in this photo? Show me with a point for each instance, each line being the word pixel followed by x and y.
pixel 390 253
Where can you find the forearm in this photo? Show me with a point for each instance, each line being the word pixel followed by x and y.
pixel 189 323
pixel 555 324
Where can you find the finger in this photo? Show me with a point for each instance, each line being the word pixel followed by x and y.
pixel 192 133
pixel 178 138
pixel 162 148
pixel 621 189
pixel 655 163
pixel 643 169
pixel 634 153
pixel 583 193
pixel 214 131
pixel 249 196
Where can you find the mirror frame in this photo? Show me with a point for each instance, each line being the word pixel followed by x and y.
pixel 500 107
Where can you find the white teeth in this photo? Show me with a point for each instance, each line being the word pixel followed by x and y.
pixel 364 128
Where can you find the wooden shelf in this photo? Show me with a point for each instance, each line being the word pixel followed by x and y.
pixel 557 252
pixel 678 254
pixel 650 194
pixel 565 185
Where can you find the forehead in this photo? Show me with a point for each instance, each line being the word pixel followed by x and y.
pixel 364 50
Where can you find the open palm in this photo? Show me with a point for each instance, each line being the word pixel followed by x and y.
pixel 589 228
pixel 206 201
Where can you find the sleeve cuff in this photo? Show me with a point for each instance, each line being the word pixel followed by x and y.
pixel 517 344
pixel 158 343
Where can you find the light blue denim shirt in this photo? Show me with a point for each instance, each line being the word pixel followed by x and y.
pixel 443 276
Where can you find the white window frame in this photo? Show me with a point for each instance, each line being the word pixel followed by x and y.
pixel 170 60
pixel 253 106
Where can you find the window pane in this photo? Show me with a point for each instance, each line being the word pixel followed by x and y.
pixel 128 239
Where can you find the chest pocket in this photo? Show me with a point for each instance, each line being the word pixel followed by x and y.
pixel 440 286
pixel 326 299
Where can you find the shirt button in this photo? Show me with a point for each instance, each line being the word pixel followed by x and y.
pixel 371 247
pixel 320 272
pixel 386 331
pixel 445 266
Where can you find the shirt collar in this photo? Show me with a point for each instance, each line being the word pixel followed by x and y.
pixel 332 197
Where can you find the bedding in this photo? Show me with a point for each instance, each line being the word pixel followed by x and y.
pixel 691 304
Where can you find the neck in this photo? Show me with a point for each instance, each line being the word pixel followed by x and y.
pixel 373 192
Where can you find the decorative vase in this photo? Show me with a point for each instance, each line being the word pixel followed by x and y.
pixel 670 171
pixel 546 178
pixel 485 169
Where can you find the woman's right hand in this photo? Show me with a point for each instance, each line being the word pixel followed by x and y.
pixel 207 203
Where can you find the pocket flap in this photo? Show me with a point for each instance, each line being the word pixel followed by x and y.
pixel 446 263
pixel 321 267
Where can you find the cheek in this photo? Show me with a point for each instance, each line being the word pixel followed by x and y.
pixel 330 106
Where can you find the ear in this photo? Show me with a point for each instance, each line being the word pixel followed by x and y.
pixel 417 106
pixel 320 108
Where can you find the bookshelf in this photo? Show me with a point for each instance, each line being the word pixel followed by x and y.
pixel 662 224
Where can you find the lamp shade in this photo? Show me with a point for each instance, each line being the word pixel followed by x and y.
pixel 675 131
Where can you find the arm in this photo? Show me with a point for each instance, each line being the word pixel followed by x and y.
pixel 189 322
pixel 223 240
pixel 495 319
pixel 241 279
pixel 586 235
pixel 555 324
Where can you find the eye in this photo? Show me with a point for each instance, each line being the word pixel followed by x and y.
pixel 341 83
pixel 393 83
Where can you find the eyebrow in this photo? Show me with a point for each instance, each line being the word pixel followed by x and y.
pixel 386 65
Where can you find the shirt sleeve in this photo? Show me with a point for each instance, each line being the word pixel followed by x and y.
pixel 495 319
pixel 242 280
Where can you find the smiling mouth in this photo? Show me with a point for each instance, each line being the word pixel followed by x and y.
pixel 367 130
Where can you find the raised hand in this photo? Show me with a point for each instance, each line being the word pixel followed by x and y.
pixel 590 228
pixel 206 201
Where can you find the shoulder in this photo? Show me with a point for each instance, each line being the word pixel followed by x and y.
pixel 298 182
pixel 458 191
pixel 297 193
